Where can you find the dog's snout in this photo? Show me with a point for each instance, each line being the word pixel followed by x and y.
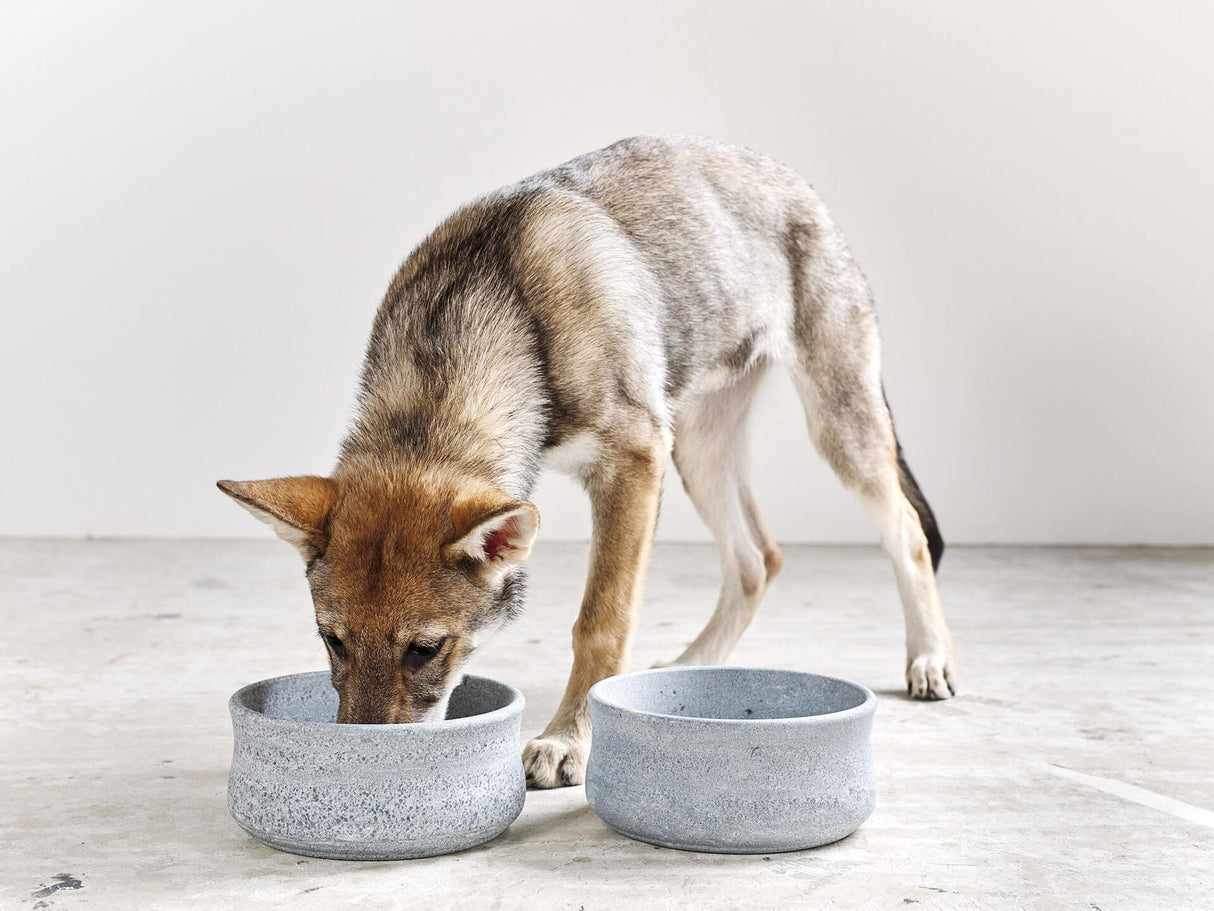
pixel 370 705
pixel 371 712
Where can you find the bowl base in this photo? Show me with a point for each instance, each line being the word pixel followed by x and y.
pixel 366 850
pixel 783 848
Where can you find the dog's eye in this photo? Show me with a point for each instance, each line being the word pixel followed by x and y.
pixel 418 653
pixel 336 646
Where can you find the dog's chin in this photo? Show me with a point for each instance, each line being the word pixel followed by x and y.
pixel 438 712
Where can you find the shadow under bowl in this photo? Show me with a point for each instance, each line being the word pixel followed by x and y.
pixel 302 783
pixel 731 760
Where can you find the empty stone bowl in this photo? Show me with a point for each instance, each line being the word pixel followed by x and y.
pixel 731 760
pixel 302 783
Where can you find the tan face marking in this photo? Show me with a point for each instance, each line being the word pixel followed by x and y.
pixel 399 609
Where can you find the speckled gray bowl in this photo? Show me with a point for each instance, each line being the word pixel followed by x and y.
pixel 731 760
pixel 302 783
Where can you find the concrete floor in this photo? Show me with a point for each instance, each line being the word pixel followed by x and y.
pixel 1074 770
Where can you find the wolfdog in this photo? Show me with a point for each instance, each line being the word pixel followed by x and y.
pixel 600 317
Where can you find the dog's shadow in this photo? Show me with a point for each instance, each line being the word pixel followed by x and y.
pixel 958 702
pixel 555 826
pixel 894 693
pixel 547 826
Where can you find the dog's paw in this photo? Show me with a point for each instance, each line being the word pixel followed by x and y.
pixel 554 762
pixel 931 676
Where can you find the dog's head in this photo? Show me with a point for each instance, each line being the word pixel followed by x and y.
pixel 406 579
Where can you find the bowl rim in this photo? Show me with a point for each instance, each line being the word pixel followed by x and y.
pixel 514 707
pixel 867 707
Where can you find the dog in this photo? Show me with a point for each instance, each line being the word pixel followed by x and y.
pixel 599 317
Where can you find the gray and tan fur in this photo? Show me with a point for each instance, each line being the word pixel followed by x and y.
pixel 597 317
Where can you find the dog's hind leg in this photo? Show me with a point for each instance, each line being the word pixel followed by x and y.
pixel 837 372
pixel 710 453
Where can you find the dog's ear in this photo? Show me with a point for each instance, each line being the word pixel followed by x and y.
pixel 296 508
pixel 493 533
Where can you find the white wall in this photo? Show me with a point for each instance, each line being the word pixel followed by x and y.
pixel 203 203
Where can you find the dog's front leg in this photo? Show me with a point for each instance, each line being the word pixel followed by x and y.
pixel 624 491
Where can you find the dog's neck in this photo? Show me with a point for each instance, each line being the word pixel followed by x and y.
pixel 454 377
pixel 500 452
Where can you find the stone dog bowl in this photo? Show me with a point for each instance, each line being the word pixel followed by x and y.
pixel 302 783
pixel 731 760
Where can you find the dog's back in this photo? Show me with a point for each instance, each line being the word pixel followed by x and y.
pixel 641 274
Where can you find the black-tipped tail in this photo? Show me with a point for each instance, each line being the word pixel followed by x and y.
pixel 927 518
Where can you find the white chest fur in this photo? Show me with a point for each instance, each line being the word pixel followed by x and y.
pixel 574 456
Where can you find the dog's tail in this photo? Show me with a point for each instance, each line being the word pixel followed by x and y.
pixel 927 518
pixel 910 487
